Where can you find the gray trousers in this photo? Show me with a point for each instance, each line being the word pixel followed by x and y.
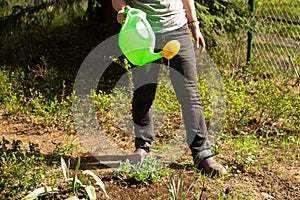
pixel 184 81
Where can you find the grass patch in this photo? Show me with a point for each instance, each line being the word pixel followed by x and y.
pixel 35 93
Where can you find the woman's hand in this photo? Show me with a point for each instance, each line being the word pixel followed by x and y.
pixel 197 35
pixel 122 15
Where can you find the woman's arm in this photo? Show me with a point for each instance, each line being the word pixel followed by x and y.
pixel 190 10
pixel 118 4
pixel 189 6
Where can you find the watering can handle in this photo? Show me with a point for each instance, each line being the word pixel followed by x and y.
pixel 132 11
pixel 140 21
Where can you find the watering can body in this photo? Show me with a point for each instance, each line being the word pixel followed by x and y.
pixel 137 39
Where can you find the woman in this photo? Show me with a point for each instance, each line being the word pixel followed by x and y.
pixel 171 19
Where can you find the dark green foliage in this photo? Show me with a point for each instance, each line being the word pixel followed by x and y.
pixel 221 15
pixel 28 14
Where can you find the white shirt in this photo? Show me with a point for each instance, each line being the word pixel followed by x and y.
pixel 163 15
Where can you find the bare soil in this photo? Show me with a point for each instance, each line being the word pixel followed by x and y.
pixel 277 179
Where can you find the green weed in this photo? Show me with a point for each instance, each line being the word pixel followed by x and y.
pixel 260 105
pixel 179 190
pixel 20 171
pixel 149 171
pixel 246 148
pixel 224 196
pixel 73 183
pixel 238 104
pixel 102 102
pixel 35 93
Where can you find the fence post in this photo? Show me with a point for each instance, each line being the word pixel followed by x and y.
pixel 250 33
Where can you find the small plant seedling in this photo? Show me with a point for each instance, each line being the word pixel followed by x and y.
pixel 179 190
pixel 74 183
pixel 40 191
pixel 149 171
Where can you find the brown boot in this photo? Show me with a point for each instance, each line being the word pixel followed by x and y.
pixel 211 166
pixel 138 156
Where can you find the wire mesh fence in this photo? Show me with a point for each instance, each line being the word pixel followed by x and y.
pixel 277 35
pixel 275 25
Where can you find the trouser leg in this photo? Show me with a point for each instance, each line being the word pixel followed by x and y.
pixel 183 75
pixel 145 83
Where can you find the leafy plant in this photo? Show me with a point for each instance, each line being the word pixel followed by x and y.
pixel 40 191
pixel 74 183
pixel 102 101
pixel 20 171
pixel 246 148
pixel 149 171
pixel 257 104
pixel 35 93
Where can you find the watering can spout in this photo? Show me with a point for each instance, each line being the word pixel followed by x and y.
pixel 137 40
pixel 169 51
pixel 151 57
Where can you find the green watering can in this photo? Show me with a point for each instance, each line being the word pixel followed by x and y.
pixel 137 40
